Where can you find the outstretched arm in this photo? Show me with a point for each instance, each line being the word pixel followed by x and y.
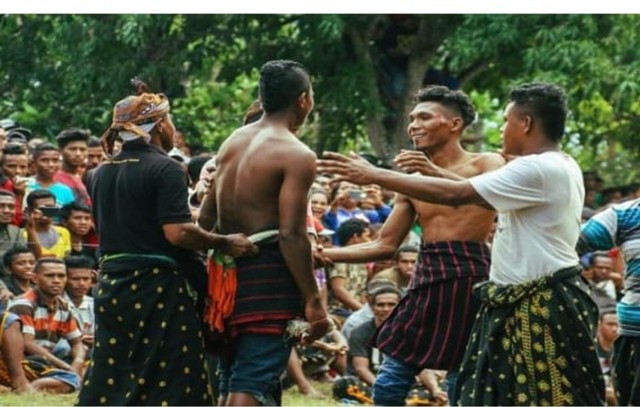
pixel 427 189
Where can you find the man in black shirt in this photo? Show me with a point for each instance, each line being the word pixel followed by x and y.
pixel 148 340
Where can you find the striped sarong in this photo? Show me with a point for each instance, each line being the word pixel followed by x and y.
pixel 533 344
pixel 430 326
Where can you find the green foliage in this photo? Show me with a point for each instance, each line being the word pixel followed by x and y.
pixel 69 70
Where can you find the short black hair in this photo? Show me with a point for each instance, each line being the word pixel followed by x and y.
pixel 72 134
pixel 8 193
pixel 406 248
pixel 385 289
pixel 47 260
pixel 94 142
pixel 38 194
pixel 79 262
pixel 281 83
pixel 14 148
pixel 595 255
pixel 455 100
pixel 349 228
pixel 546 103
pixel 10 254
pixel 42 148
pixel 65 211
pixel 194 168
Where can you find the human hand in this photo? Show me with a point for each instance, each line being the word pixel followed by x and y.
pixel 319 260
pixel 237 245
pixel 316 315
pixel 411 161
pixel 5 295
pixel 19 186
pixel 441 397
pixel 351 168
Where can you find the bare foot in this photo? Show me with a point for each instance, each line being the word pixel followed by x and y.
pixel 25 388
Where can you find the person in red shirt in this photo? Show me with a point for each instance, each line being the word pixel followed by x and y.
pixel 73 145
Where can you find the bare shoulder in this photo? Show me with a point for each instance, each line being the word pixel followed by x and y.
pixel 486 162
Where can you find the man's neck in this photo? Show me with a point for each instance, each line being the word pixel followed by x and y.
pixel 605 344
pixel 448 155
pixel 23 283
pixel 77 301
pixel 69 169
pixel 44 181
pixel 46 299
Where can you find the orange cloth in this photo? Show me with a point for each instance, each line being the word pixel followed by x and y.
pixel 222 290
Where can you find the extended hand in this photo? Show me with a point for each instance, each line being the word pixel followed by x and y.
pixel 319 260
pixel 411 161
pixel 316 315
pixel 353 168
pixel 238 245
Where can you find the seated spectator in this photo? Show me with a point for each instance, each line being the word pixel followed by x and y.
pixel 363 360
pixel 46 318
pixel 80 276
pixel 365 313
pixel 12 373
pixel 54 241
pixel 347 282
pixel 46 160
pixel 346 199
pixel 405 263
pixel 77 219
pixel 19 262
pixel 11 235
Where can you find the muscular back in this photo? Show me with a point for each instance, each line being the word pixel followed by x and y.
pixel 263 171
pixel 466 222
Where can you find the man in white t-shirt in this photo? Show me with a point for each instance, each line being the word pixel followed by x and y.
pixel 533 340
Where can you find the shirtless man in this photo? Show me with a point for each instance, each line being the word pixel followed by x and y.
pixel 262 182
pixel 453 256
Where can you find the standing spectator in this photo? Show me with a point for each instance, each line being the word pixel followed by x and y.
pixel 146 321
pixel 46 318
pixel 73 144
pixel 95 154
pixel 15 167
pixel 46 159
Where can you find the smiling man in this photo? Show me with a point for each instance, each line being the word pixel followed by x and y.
pixel 452 258
pixel 533 340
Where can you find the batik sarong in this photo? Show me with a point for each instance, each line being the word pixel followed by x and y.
pixel 533 344
pixel 626 370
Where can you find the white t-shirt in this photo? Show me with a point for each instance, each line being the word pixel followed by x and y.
pixel 539 200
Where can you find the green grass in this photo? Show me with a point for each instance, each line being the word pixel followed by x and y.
pixel 291 398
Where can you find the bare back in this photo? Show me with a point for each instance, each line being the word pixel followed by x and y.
pixel 466 222
pixel 263 171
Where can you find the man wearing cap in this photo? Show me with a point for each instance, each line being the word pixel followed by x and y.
pixel 148 339
pixel 73 145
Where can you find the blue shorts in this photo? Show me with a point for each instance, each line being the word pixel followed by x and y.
pixel 255 367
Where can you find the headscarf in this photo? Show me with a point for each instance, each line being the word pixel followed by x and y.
pixel 135 116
